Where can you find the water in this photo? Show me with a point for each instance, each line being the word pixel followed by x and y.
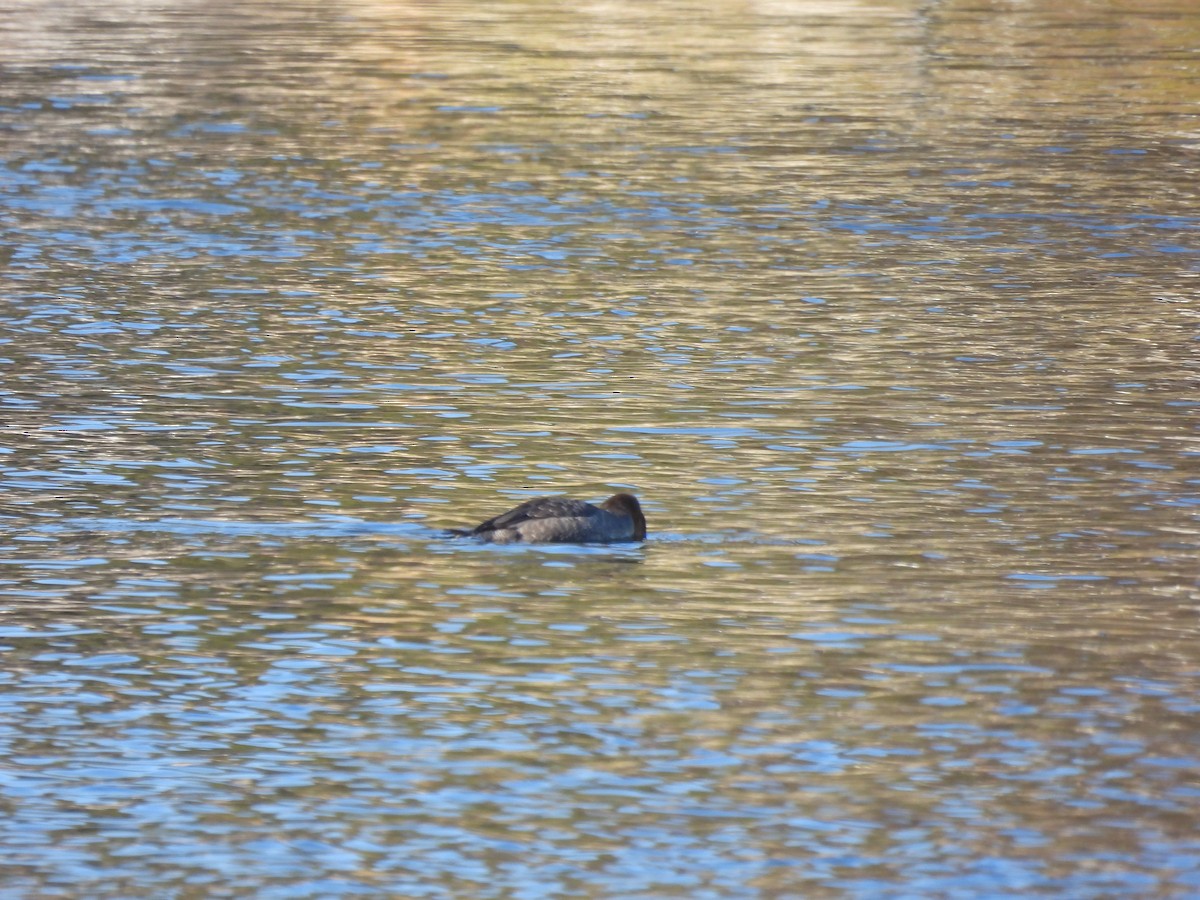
pixel 885 310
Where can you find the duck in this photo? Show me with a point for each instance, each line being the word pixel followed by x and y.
pixel 561 520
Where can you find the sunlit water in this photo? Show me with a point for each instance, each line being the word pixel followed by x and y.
pixel 886 310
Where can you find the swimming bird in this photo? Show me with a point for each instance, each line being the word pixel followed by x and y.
pixel 561 520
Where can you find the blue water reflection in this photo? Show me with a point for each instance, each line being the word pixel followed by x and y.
pixel 886 314
pixel 434 763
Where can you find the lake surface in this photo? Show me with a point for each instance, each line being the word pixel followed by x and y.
pixel 887 311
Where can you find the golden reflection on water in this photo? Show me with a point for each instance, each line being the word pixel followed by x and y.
pixel 884 309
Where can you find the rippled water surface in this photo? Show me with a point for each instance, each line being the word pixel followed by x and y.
pixel 886 310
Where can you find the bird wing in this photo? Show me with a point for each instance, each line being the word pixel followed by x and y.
pixel 537 508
